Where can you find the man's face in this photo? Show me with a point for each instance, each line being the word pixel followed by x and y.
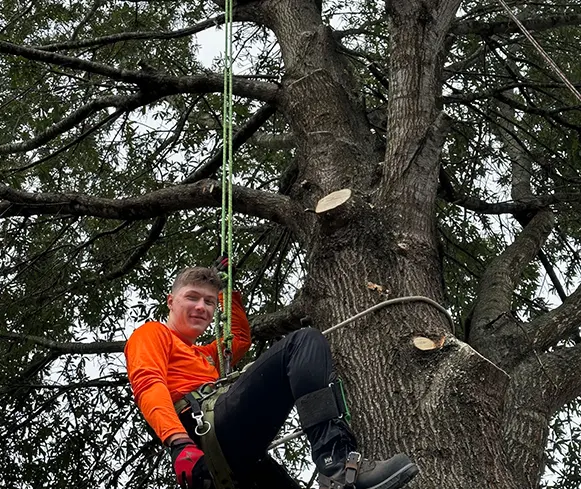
pixel 191 309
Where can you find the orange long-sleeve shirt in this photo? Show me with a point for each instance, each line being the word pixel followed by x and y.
pixel 162 367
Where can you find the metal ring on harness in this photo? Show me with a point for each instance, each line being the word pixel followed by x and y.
pixel 202 433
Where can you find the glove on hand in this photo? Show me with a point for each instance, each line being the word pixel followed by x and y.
pixel 189 464
pixel 221 266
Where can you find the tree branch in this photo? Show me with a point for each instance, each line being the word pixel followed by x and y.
pixel 125 102
pixel 210 167
pixel 279 323
pixel 85 20
pixel 502 275
pixel 142 249
pixel 133 36
pixel 561 368
pixel 532 204
pixel 539 386
pixel 494 331
pixel 150 81
pixel 562 322
pixel 67 347
pixel 77 385
pixel 205 193
pixel 263 327
pixel 508 27
pixel 468 98
pixel 553 276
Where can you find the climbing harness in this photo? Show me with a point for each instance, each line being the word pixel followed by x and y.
pixel 200 404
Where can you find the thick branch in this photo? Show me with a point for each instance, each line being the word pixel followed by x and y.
pixel 497 286
pixel 152 81
pixel 206 193
pixel 494 330
pixel 539 386
pixel 279 323
pixel 560 323
pixel 560 369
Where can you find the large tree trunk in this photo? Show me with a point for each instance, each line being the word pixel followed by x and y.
pixel 442 407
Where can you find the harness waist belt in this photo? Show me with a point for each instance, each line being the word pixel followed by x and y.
pixel 200 394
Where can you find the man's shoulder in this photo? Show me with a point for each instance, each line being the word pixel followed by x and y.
pixel 148 329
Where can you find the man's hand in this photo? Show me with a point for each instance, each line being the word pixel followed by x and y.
pixel 189 464
pixel 221 266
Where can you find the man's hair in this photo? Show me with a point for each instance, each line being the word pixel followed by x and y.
pixel 196 276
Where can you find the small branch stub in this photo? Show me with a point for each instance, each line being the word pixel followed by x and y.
pixel 426 344
pixel 333 200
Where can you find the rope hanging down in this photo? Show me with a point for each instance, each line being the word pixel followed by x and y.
pixel 225 339
pixel 542 52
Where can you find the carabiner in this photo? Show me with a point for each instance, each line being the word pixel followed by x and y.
pixel 199 432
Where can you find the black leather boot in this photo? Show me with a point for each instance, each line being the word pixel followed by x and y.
pixel 360 473
pixel 333 447
pixel 339 465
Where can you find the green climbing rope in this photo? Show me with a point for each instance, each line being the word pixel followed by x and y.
pixel 224 334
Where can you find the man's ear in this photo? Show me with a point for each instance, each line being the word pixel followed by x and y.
pixel 169 301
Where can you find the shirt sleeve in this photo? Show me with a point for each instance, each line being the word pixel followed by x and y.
pixel 147 354
pixel 240 331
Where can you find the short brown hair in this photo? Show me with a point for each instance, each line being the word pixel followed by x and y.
pixel 196 276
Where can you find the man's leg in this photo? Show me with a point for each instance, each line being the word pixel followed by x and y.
pixel 251 413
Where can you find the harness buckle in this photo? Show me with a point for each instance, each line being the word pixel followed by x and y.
pixel 352 468
pixel 203 391
pixel 202 426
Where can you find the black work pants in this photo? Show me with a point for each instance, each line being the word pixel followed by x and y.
pixel 251 413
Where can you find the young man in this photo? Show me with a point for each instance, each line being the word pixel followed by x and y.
pixel 164 364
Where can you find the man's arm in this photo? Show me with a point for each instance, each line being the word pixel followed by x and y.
pixel 240 328
pixel 240 331
pixel 147 354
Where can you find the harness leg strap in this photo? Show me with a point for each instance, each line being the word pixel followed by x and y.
pixel 217 465
pixel 321 405
pixel 219 468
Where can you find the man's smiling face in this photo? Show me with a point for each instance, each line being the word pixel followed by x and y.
pixel 191 309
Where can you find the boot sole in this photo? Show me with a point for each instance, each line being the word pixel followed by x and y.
pixel 399 479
